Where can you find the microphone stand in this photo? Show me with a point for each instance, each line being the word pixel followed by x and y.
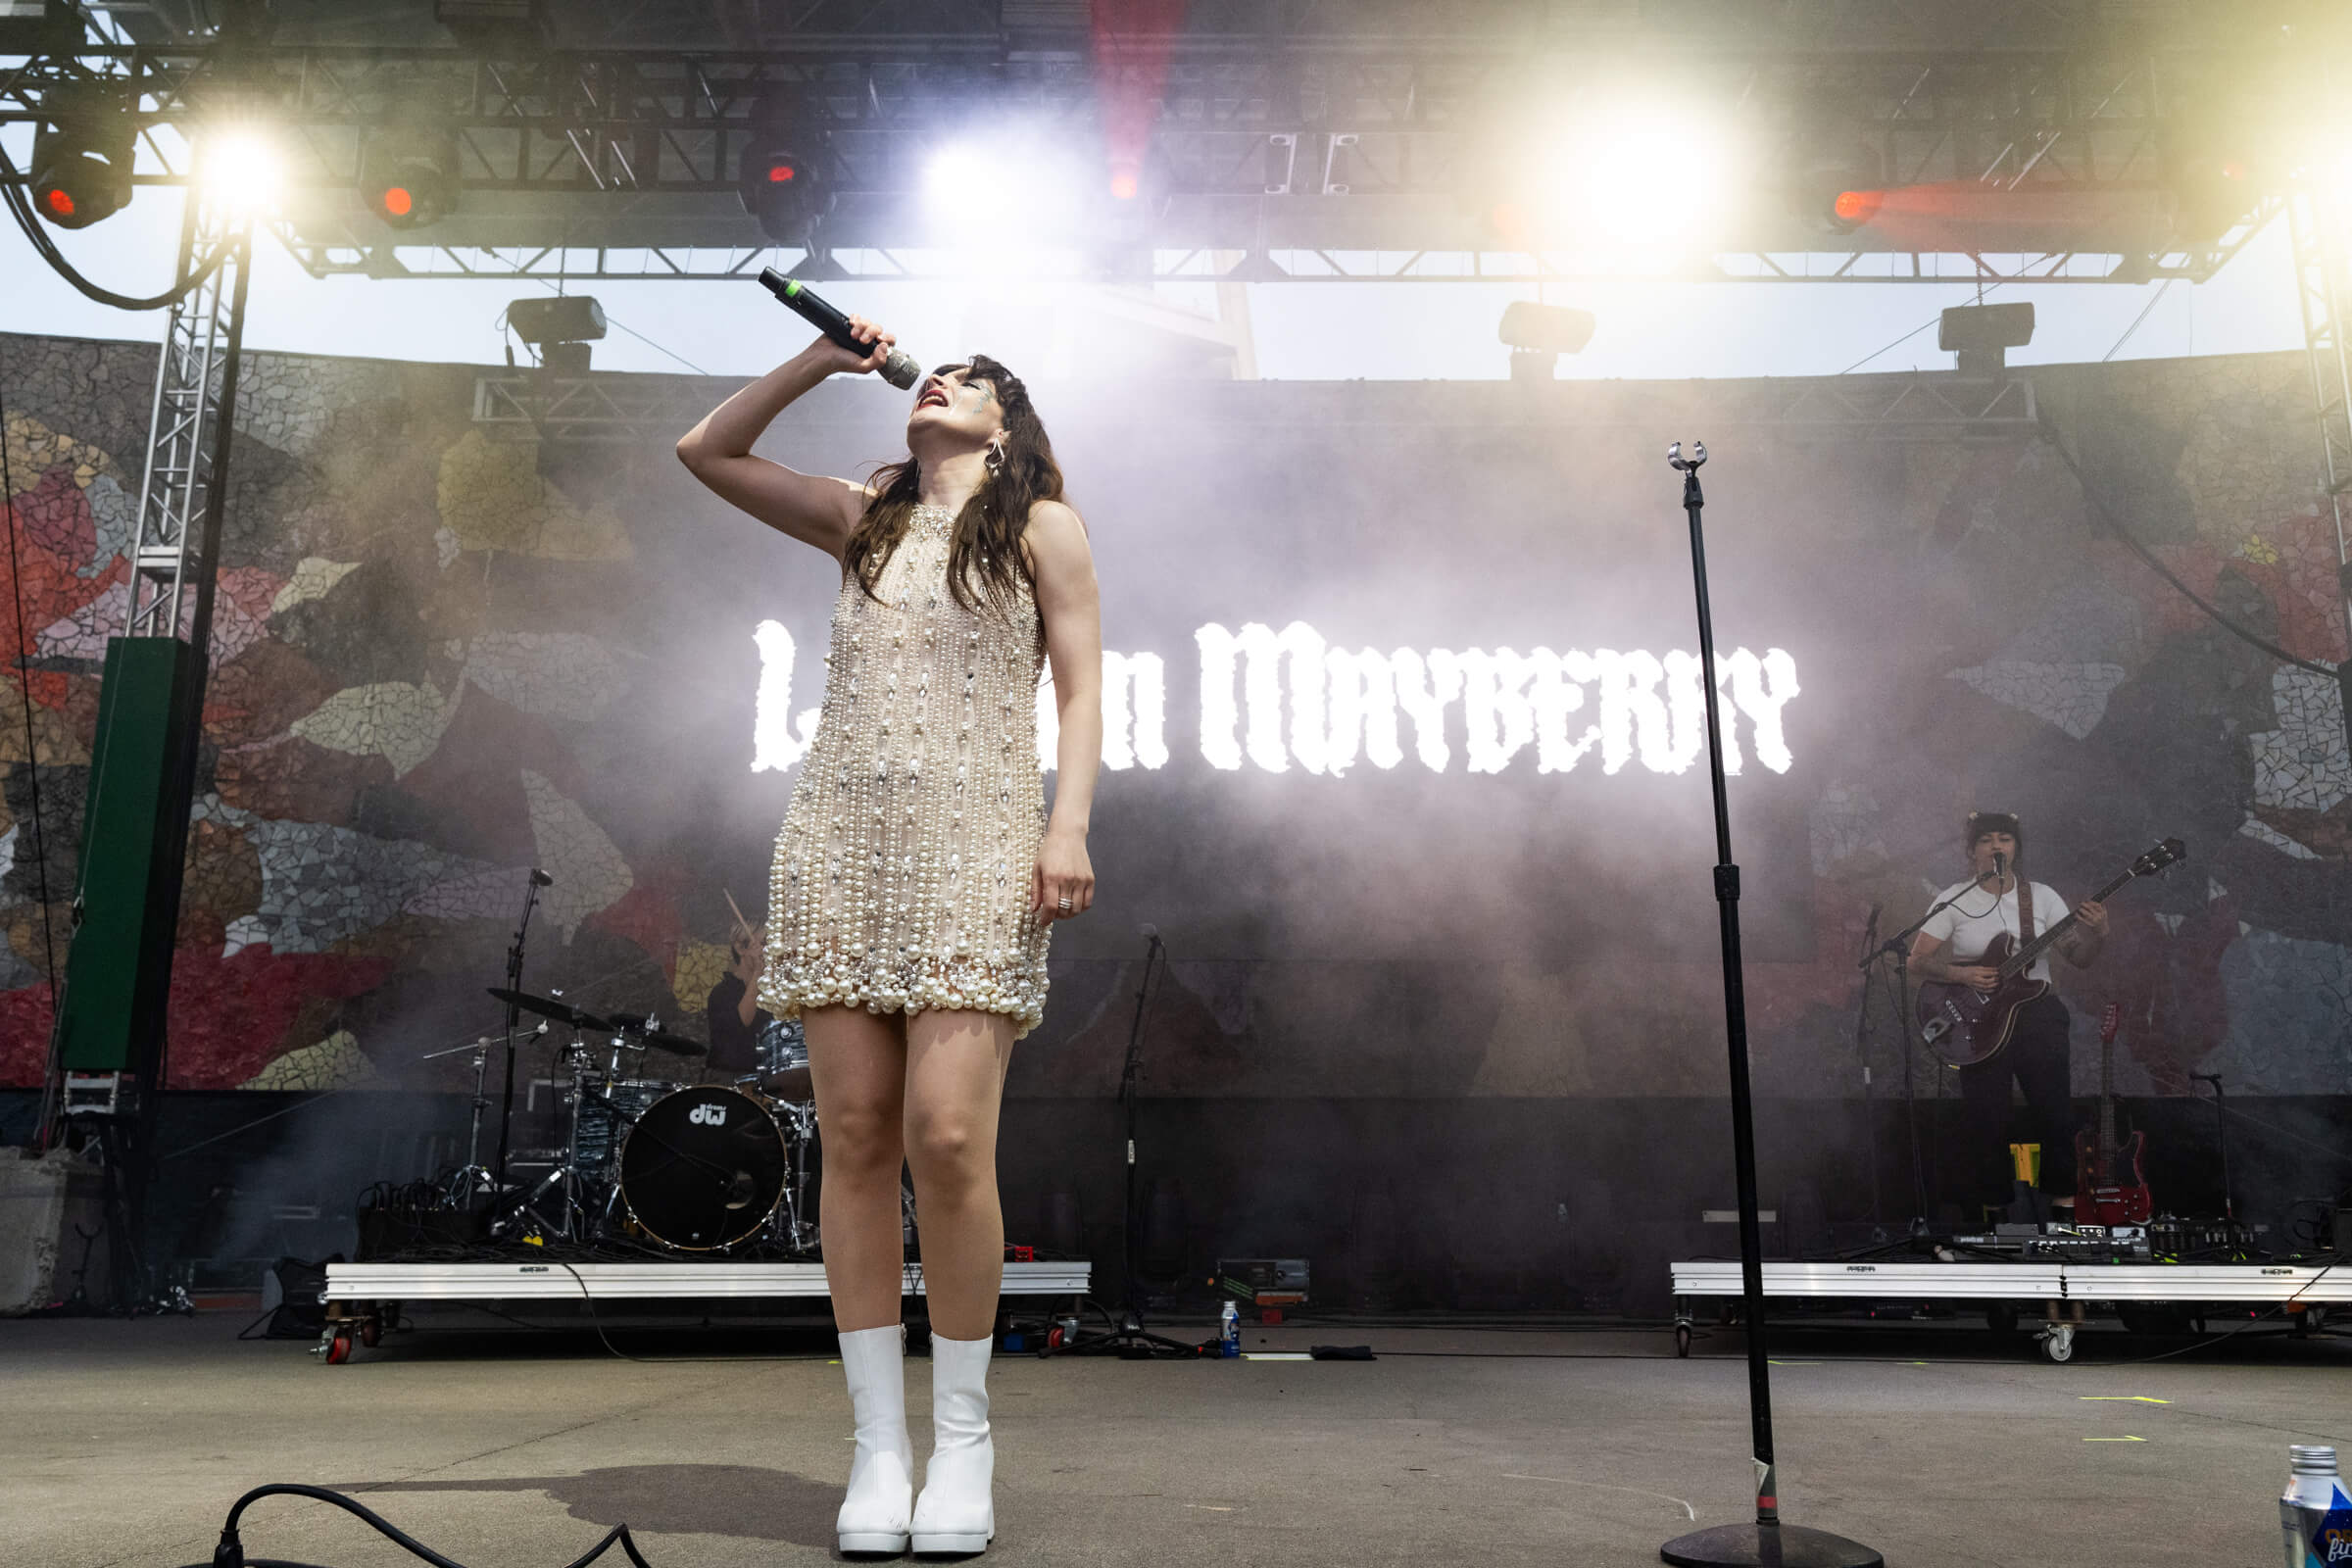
pixel 2221 1125
pixel 1870 1123
pixel 1130 1340
pixel 505 1112
pixel 1899 948
pixel 1902 1021
pixel 1767 1540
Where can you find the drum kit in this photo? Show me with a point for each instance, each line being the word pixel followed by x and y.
pixel 691 1167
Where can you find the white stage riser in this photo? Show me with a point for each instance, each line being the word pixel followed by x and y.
pixel 517 1282
pixel 2034 1280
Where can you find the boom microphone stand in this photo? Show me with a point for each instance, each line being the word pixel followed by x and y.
pixel 506 1110
pixel 2221 1124
pixel 1130 1339
pixel 1870 1120
pixel 1767 1542
pixel 1899 948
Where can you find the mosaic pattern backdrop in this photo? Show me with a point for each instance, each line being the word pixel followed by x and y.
pixel 440 659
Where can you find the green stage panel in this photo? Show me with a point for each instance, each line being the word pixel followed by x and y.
pixel 134 834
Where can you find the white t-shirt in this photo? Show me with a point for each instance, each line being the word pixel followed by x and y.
pixel 1977 917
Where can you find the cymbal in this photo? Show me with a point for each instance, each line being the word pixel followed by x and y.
pixel 676 1044
pixel 646 1033
pixel 562 1012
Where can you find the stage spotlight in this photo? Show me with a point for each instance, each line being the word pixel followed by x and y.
pixel 1539 334
pixel 2213 189
pixel 82 159
pixel 1851 208
pixel 1126 182
pixel 410 178
pixel 963 185
pixel 1982 336
pixel 239 169
pixel 1645 182
pixel 782 184
pixel 560 327
pixel 1632 173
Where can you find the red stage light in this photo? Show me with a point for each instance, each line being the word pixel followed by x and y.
pixel 61 202
pixel 1123 185
pixel 779 174
pixel 1856 205
pixel 398 202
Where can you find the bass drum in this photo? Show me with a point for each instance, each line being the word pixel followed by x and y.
pixel 702 1168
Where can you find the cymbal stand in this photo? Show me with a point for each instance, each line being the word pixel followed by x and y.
pixel 799 1230
pixel 565 1172
pixel 475 1178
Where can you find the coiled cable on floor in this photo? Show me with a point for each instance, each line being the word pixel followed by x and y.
pixel 231 1553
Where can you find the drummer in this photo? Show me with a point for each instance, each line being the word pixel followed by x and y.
pixel 733 1011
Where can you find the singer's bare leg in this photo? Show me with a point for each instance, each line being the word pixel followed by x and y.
pixel 955 1065
pixel 857 1063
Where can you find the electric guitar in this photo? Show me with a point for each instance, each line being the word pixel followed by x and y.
pixel 1964 1025
pixel 2110 1187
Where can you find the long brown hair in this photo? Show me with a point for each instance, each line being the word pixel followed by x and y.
pixel 985 553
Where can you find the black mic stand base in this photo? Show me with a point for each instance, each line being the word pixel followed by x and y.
pixel 1766 1547
pixel 1130 1342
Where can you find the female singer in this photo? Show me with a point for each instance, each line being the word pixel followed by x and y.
pixel 917 875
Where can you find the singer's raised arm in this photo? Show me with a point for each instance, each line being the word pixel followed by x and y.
pixel 811 508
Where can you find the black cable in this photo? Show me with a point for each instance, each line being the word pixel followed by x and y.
pixel 12 192
pixel 2049 430
pixel 2218 1339
pixel 655 1360
pixel 231 1553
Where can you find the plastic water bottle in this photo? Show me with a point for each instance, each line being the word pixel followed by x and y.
pixel 2312 1490
pixel 1228 1346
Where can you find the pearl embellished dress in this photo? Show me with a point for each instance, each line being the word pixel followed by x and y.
pixel 902 875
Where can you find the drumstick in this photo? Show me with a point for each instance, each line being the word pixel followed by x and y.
pixel 738 908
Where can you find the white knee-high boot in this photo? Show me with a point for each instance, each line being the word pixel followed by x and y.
pixel 876 1513
pixel 956 1511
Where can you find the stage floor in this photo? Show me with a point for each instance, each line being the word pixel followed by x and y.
pixel 126 1442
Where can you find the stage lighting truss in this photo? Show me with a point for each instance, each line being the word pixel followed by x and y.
pixel 170 554
pixel 527 405
pixel 1317 164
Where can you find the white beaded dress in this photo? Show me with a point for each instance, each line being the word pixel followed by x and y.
pixel 903 871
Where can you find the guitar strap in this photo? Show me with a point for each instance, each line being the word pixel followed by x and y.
pixel 2025 910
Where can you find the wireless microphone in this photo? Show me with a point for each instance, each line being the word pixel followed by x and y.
pixel 899 368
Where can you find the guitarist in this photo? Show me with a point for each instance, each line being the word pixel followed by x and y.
pixel 1947 948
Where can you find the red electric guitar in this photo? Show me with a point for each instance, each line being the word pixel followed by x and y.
pixel 2109 1186
pixel 1964 1025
